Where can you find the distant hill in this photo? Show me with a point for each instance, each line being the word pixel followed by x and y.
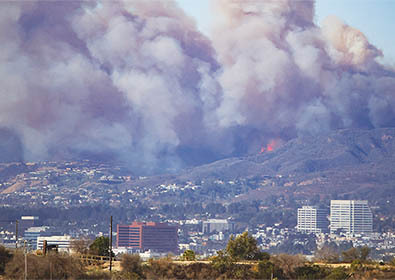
pixel 349 148
pixel 261 188
pixel 349 163
pixel 345 163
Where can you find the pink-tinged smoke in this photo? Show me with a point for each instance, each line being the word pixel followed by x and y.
pixel 135 81
pixel 283 75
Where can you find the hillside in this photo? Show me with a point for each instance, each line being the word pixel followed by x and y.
pixel 338 150
pixel 262 188
pixel 345 163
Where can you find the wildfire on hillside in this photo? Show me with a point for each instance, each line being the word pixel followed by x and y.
pixel 271 146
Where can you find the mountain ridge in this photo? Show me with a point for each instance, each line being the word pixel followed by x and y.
pixel 307 154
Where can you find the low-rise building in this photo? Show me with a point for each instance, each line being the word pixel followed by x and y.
pixel 217 225
pixel 63 243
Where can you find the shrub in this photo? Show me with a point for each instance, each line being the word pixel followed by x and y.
pixel 337 273
pixel 131 266
pixel 356 265
pixel 55 266
pixel 311 272
pixel 265 270
pixel 327 255
pixel 188 255
pixel 356 254
pixel 288 263
pixel 5 257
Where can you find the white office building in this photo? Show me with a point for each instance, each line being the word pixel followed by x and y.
pixel 351 217
pixel 217 225
pixel 63 242
pixel 311 219
pixel 31 235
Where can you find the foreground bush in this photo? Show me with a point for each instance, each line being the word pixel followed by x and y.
pixel 52 266
pixel 5 257
pixel 188 255
pixel 131 267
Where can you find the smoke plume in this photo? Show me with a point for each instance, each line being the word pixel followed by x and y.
pixel 135 81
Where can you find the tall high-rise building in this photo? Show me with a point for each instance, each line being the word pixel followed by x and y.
pixel 311 219
pixel 158 237
pixel 351 216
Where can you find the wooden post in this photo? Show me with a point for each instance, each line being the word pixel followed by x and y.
pixel 16 234
pixel 25 251
pixel 110 243
pixel 45 247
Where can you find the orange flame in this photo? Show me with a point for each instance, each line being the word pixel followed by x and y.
pixel 270 147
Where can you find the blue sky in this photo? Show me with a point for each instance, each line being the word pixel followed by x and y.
pixel 375 18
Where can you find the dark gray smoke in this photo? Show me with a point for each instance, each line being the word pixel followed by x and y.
pixel 135 81
pixel 11 148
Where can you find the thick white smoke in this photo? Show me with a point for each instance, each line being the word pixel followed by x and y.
pixel 135 81
pixel 281 73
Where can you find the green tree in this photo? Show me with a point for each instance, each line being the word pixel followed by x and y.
pixel 100 246
pixel 338 273
pixel 188 255
pixel 225 267
pixel 222 262
pixel 265 270
pixel 244 247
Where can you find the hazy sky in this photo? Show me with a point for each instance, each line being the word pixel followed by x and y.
pixel 375 18
pixel 137 83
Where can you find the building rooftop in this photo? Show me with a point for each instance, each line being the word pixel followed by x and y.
pixel 29 218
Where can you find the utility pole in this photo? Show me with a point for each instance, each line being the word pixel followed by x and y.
pixel 16 234
pixel 110 243
pixel 25 250
pixel 50 269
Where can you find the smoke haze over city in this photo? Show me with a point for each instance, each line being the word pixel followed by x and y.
pixel 135 81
